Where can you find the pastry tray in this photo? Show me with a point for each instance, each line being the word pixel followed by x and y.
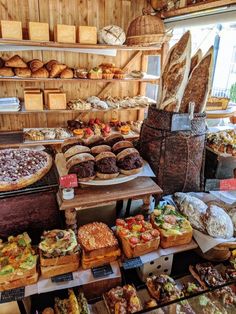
pixel 49 181
pixel 45 141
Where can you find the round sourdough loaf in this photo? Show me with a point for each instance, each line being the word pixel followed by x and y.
pixel 111 35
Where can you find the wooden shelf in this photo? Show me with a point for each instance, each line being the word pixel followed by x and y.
pixel 52 45
pixel 69 111
pixel 147 79
pixel 221 114
pixel 198 7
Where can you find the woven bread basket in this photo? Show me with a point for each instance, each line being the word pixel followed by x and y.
pixel 147 30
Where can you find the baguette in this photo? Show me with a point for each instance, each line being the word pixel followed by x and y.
pixel 20 282
pixel 195 60
pixel 199 84
pixel 51 271
pixel 175 75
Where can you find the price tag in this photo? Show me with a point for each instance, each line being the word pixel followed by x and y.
pixel 180 122
pixel 132 263
pixel 102 271
pixel 212 185
pixel 62 278
pixel 12 295
pixel 228 185
pixel 69 181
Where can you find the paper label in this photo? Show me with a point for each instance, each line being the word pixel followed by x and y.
pixel 180 122
pixel 12 295
pixel 69 181
pixel 62 278
pixel 102 271
pixel 228 185
pixel 132 263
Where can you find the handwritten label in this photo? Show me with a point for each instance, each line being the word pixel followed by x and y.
pixel 62 278
pixel 69 181
pixel 180 122
pixel 102 271
pixel 132 263
pixel 12 295
pixel 220 185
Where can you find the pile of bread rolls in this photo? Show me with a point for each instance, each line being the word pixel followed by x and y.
pixel 16 66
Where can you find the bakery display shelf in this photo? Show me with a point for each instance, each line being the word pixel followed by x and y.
pixel 146 79
pixel 63 46
pixel 221 114
pixel 198 7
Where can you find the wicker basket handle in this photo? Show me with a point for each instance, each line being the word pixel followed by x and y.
pixel 148 10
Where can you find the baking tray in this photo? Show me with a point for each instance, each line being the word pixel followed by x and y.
pixel 49 181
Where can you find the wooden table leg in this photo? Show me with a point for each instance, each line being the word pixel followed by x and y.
pixel 146 203
pixel 127 211
pixel 71 220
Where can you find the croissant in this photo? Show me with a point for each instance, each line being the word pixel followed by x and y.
pixel 57 69
pixel 16 62
pixel 6 72
pixel 40 73
pixel 50 64
pixel 67 74
pixel 22 72
pixel 35 65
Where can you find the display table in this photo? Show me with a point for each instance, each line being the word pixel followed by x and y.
pixel 95 196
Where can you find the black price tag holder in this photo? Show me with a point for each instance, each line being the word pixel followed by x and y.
pixel 132 263
pixel 62 278
pixel 12 295
pixel 102 271
pixel 181 122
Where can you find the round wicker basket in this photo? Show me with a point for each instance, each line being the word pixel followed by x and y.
pixel 147 30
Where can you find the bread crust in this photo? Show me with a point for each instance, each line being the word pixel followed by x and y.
pixel 26 181
pixel 116 136
pixel 98 262
pixel 16 62
pixel 95 150
pixel 105 155
pixel 131 172
pixel 67 74
pixel 51 271
pixel 77 149
pixel 21 282
pixel 22 72
pixel 70 141
pixel 122 144
pixel 40 73
pixel 79 158
pixel 57 69
pixel 107 176
pixel 126 152
pixel 35 65
pixel 93 140
pixel 61 260
pixel 23 274
pixel 6 72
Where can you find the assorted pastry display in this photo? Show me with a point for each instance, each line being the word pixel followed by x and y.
pixel 17 66
pixel 178 79
pixel 46 134
pixel 122 300
pixel 94 102
pixel 174 228
pixel 222 142
pixel 20 168
pixel 18 261
pixel 59 252
pixel 137 236
pixel 212 220
pixel 95 157
pixel 99 245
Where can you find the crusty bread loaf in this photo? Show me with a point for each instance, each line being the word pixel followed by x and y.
pixel 51 271
pixel 199 84
pixel 61 260
pixel 195 60
pixel 21 282
pixel 176 71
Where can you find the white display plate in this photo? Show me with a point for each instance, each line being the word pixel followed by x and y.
pixel 120 179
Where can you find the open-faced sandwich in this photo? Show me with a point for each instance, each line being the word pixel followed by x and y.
pixel 59 252
pixel 17 262
pixel 122 300
pixel 137 236
pixel 72 305
pixel 174 228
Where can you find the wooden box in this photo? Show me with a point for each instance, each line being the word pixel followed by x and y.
pixel 11 29
pixel 65 33
pixel 57 101
pixel 47 91
pixel 87 35
pixel 33 101
pixel 38 31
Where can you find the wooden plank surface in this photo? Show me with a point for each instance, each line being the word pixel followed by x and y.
pixel 198 7
pixel 87 197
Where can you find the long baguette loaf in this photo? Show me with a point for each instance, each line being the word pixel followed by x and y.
pixel 195 60
pixel 199 84
pixel 175 75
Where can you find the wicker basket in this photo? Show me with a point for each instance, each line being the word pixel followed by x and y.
pixel 147 30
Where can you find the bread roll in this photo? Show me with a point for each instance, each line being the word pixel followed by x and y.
pixel 22 72
pixel 199 84
pixel 6 72
pixel 57 69
pixel 67 74
pixel 15 62
pixel 35 65
pixel 41 73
